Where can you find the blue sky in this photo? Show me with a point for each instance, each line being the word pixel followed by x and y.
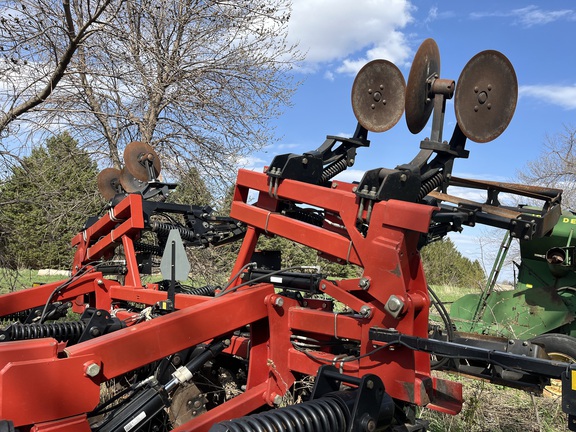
pixel 340 36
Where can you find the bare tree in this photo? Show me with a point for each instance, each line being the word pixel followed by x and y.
pixel 556 166
pixel 38 40
pixel 199 80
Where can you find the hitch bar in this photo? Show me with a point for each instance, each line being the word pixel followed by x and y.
pixel 534 366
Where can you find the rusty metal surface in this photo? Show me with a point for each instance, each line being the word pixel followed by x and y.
pixel 486 96
pixel 537 192
pixel 109 182
pixel 378 95
pixel 419 104
pixel 498 211
pixel 130 183
pixel 134 155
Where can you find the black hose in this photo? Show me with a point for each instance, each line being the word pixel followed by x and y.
pixel 445 316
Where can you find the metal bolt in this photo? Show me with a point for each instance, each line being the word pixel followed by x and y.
pixel 92 369
pixel 367 423
pixel 279 302
pixel 365 311
pixel 99 281
pixel 323 287
pixel 364 283
pixel 277 399
pixel 371 425
pixel 394 304
pixel 305 161
pixel 369 384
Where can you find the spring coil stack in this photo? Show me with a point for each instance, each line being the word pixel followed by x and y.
pixel 164 230
pixel 318 415
pixel 333 170
pixel 431 184
pixel 207 290
pixel 70 331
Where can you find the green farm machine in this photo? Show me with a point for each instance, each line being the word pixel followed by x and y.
pixel 541 307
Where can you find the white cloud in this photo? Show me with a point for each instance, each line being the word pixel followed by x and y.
pixel 329 75
pixel 533 15
pixel 345 34
pixel 563 96
pixel 530 15
pixel 251 162
pixel 395 50
pixel 350 175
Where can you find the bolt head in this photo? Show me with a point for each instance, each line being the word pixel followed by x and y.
pixel 92 369
pixel 365 311
pixel 394 304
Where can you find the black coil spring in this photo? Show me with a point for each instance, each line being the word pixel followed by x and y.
pixel 306 216
pixel 333 170
pixel 318 415
pixel 207 290
pixel 148 248
pixel 17 316
pixel 431 184
pixel 164 229
pixel 61 331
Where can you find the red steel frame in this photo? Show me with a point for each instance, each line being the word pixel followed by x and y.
pixel 44 385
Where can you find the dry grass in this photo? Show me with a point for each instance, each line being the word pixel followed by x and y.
pixel 493 408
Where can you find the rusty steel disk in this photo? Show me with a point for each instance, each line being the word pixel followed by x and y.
pixel 486 95
pixel 378 95
pixel 130 183
pixel 109 182
pixel 135 155
pixel 419 103
pixel 188 402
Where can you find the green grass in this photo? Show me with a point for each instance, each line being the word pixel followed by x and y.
pixel 449 293
pixel 15 280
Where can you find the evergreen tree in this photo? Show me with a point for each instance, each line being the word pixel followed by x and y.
pixel 191 190
pixel 445 265
pixel 45 202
